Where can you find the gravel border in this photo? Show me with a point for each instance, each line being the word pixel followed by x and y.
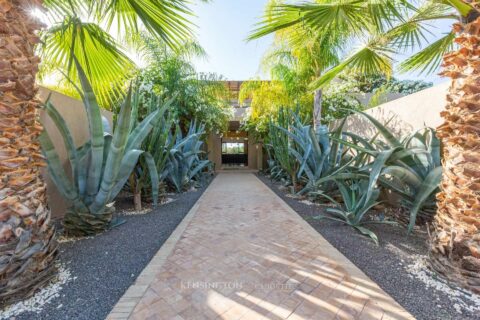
pixel 103 267
pixel 385 264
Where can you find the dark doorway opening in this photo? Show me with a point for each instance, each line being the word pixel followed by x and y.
pixel 235 153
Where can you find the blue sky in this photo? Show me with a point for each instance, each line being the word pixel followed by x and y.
pixel 223 26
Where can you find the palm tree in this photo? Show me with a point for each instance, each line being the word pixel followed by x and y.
pixel 387 28
pixel 27 244
pixel 99 34
pixel 300 55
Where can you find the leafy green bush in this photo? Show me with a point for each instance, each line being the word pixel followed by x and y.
pixel 171 75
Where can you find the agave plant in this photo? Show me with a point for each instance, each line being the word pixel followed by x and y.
pixel 279 144
pixel 184 163
pixel 413 169
pixel 157 143
pixel 315 152
pixel 359 196
pixel 101 166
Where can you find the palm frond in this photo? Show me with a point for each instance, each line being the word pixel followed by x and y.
pixel 106 66
pixel 166 19
pixel 429 59
pixel 338 15
pixel 373 58
pixel 412 31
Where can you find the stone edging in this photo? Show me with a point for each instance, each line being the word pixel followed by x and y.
pixel 127 303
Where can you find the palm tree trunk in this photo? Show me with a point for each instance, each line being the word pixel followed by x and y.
pixel 455 241
pixel 27 245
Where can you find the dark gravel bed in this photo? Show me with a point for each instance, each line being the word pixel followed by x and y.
pixel 106 265
pixel 386 263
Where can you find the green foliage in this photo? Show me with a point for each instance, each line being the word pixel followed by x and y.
pixel 105 64
pixel 82 28
pixel 322 163
pixel 336 103
pixel 268 99
pixel 367 35
pixel 101 166
pixel 157 143
pixel 279 145
pixel 414 169
pixel 358 83
pixel 359 195
pixel 171 75
pixel 185 163
pixel 313 152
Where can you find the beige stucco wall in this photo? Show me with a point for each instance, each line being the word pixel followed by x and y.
pixel 405 114
pixel 254 155
pixel 73 112
pixel 214 147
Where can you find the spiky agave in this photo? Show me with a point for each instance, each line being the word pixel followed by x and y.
pixel 101 166
pixel 157 143
pixel 184 163
pixel 413 171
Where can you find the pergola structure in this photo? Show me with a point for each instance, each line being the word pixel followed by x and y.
pixel 235 149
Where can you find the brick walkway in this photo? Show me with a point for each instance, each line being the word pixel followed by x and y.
pixel 242 253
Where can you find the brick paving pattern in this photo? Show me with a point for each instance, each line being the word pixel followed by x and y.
pixel 242 253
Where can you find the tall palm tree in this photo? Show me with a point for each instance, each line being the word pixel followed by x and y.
pixel 27 245
pixel 387 28
pixel 300 53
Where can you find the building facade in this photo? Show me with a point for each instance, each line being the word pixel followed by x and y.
pixel 235 149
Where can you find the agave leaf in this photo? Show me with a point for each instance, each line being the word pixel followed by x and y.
pixel 56 171
pixel 339 213
pixel 129 162
pixel 371 152
pixel 336 146
pixel 429 185
pixel 435 148
pixel 138 135
pixel 67 140
pixel 83 154
pixel 386 133
pixel 321 216
pixel 114 158
pixel 96 131
pixel 198 168
pixel 406 175
pixel 368 233
pixel 377 170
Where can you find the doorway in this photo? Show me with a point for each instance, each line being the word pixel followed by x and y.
pixel 235 154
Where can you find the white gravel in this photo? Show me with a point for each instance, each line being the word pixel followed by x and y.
pixel 132 212
pixel 39 299
pixel 308 202
pixel 460 299
pixel 64 239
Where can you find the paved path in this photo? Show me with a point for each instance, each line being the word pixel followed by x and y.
pixel 242 253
